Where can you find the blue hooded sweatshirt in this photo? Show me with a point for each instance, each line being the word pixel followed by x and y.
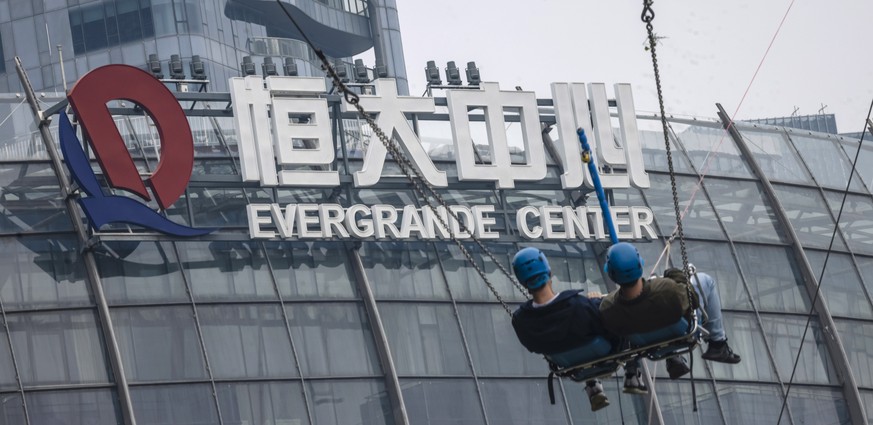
pixel 565 323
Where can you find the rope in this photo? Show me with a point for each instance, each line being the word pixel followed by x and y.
pixel 420 186
pixel 867 124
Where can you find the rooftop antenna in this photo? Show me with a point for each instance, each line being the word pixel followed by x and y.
pixel 821 110
pixel 61 61
pixel 794 114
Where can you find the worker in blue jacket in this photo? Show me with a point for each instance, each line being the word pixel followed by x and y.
pixel 553 323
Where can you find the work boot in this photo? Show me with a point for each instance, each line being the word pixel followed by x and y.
pixel 596 396
pixel 677 367
pixel 633 383
pixel 718 351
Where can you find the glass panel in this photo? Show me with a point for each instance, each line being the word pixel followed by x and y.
pixel 516 199
pixel 700 220
pixel 158 343
pixel 218 207
pixel 333 339
pixel 58 348
pixel 784 335
pixel 774 278
pixel 227 270
pixel 864 167
pixel 190 404
pixel 654 151
pixel 403 270
pixel 268 403
pixel 828 163
pixel 751 404
pixel 856 221
pixel 712 150
pixel 521 401
pixel 716 260
pixel 442 402
pixel 775 156
pixel 493 344
pixel 809 216
pixel 42 272
pixel 865 264
pixel 399 198
pixel 30 199
pixel 677 403
pixel 745 339
pixel 246 341
pixel 624 409
pixel 311 270
pixel 7 368
pixel 819 406
pixel 857 339
pixel 424 339
pixel 349 402
pixel 841 285
pixel 746 214
pixel 11 409
pixel 867 400
pixel 89 407
pixel 574 266
pixel 136 272
pixel 465 282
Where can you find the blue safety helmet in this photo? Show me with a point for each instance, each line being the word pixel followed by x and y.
pixel 531 268
pixel 623 264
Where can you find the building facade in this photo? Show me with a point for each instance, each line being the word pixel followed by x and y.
pixel 123 325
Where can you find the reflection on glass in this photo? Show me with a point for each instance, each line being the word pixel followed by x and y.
pixel 676 403
pixel 350 402
pixel 784 334
pixel 158 343
pixel 135 272
pixel 403 270
pixel 466 283
pixel 746 340
pixel 11 409
pixel 574 266
pixel 7 368
pixel 841 285
pixel 442 401
pixel 58 348
pixel 713 151
pixel 493 344
pixel 774 278
pixel 262 403
pixel 189 404
pixel 516 199
pixel 774 155
pixel 218 207
pixel 79 407
pixel 42 272
pixel 222 270
pixel 809 216
pixel 828 163
pixel 864 166
pixel 865 265
pixel 750 404
pixel 857 339
pixel 654 149
pixel 246 341
pixel 424 339
pixel 819 406
pixel 856 221
pixel 333 339
pixel 700 220
pixel 29 202
pixel 311 269
pixel 746 214
pixel 521 401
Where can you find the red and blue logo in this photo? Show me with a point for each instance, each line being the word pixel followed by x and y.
pixel 168 182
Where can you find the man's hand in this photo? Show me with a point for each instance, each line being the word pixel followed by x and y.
pixel 676 274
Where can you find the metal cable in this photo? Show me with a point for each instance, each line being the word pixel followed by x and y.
pixel 420 185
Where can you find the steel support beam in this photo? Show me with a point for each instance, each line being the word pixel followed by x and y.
pixel 829 329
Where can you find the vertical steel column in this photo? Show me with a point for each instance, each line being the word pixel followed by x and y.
pixel 829 329
pixel 87 254
pixel 392 384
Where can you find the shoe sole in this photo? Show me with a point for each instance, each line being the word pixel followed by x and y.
pixel 598 402
pixel 636 391
pixel 720 360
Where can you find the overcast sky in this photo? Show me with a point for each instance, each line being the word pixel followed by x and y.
pixel 822 55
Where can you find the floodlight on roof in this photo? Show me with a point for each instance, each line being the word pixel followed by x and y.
pixel 268 67
pixel 247 66
pixel 341 70
pixel 473 77
pixel 453 74
pixel 361 75
pixel 198 69
pixel 177 72
pixel 290 67
pixel 433 74
pixel 155 66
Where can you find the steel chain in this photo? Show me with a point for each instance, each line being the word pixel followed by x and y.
pixel 647 16
pixel 425 191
